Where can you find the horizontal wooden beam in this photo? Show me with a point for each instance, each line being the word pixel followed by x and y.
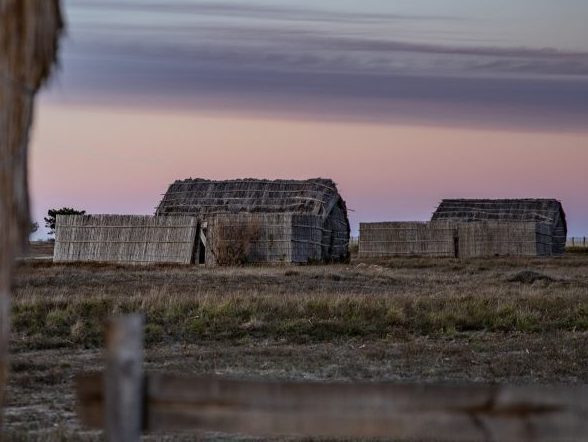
pixel 443 413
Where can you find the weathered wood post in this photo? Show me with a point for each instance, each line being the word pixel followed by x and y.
pixel 124 379
pixel 29 36
pixel 4 321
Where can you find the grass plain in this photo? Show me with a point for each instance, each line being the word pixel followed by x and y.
pixel 503 320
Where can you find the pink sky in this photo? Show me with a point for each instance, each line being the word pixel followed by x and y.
pixel 401 103
pixel 112 160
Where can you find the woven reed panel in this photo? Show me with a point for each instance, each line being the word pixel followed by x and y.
pixel 127 239
pixel 406 239
pixel 487 239
pixel 264 238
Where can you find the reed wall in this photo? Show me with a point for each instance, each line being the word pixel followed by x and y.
pixel 458 240
pixel 308 236
pixel 504 239
pixel 406 239
pixel 336 234
pixel 127 239
pixel 263 238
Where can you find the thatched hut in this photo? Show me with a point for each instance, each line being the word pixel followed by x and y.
pixel 543 221
pixel 264 221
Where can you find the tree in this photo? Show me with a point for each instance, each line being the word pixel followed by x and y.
pixel 51 218
pixel 34 227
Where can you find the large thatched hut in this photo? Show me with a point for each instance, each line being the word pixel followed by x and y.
pixel 538 221
pixel 258 220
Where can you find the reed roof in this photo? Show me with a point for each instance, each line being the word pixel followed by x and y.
pixel 201 197
pixel 549 211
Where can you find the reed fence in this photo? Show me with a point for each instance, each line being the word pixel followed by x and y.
pixel 456 239
pixel 129 239
pixel 486 239
pixel 577 241
pixel 125 401
pixel 407 239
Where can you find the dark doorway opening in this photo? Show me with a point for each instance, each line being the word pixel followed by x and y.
pixel 456 245
pixel 201 252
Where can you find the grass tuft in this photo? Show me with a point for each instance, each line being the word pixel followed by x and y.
pixel 529 277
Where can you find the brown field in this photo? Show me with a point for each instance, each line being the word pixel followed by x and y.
pixel 402 320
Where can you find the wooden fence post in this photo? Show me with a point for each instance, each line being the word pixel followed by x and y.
pixel 29 36
pixel 4 330
pixel 124 379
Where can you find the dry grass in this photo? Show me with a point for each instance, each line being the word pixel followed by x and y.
pixel 40 249
pixel 403 320
pixel 65 306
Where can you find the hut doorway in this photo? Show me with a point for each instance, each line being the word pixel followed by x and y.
pixel 456 245
pixel 201 249
pixel 201 253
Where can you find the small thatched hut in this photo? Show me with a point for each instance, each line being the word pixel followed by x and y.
pixel 261 221
pixel 546 215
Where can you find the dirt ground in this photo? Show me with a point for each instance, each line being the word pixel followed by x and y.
pixel 513 321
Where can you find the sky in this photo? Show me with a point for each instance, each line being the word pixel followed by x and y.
pixel 401 102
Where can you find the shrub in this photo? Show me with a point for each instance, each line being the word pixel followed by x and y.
pixel 529 277
pixel 231 243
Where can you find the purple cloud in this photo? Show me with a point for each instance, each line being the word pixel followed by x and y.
pixel 300 70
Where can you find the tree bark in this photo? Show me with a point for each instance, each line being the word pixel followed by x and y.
pixel 29 35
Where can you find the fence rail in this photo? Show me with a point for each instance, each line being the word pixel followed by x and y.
pixel 577 241
pixel 169 402
pixel 442 413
